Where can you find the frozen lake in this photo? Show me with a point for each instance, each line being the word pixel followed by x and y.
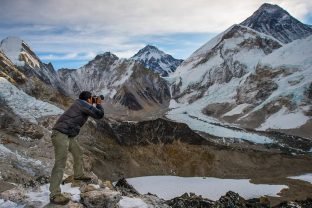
pixel 168 187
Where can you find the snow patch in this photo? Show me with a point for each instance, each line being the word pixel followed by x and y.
pixel 168 187
pixel 9 204
pixel 284 120
pixel 173 104
pixel 191 114
pixel 23 105
pixel 25 163
pixel 43 194
pixel 237 110
pixel 125 77
pixel 12 47
pixel 24 138
pixel 305 177
pixel 127 202
pixel 296 53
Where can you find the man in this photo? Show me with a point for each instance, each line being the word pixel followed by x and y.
pixel 64 139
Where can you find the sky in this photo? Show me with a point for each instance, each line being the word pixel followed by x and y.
pixel 70 33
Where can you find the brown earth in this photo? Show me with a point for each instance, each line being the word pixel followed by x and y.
pixel 110 160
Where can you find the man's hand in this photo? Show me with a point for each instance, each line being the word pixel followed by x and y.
pixel 98 101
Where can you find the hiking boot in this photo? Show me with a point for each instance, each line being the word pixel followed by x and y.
pixel 59 199
pixel 83 178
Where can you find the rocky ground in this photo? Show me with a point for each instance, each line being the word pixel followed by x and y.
pixel 113 150
pixel 105 195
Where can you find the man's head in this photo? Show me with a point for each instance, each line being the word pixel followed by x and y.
pixel 85 95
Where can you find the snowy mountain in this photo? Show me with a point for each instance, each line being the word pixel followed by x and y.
pixel 246 78
pixel 9 71
pixel 124 83
pixel 275 21
pixel 156 60
pixel 23 57
pixel 231 54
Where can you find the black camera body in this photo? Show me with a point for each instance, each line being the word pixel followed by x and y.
pixel 94 98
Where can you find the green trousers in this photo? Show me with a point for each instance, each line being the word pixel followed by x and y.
pixel 62 144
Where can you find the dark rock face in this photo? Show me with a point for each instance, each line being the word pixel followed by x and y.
pixel 258 86
pixel 275 21
pixel 154 132
pixel 129 100
pixel 14 125
pixel 189 201
pixel 231 199
pixel 144 88
pixel 124 187
pixel 309 92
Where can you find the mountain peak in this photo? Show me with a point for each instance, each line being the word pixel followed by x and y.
pixel 148 49
pixel 275 21
pixel 102 60
pixel 12 47
pixel 106 55
pixel 153 58
pixel 12 39
pixel 271 8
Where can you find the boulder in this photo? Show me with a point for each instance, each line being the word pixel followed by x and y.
pixel 125 188
pixel 101 198
pixel 231 199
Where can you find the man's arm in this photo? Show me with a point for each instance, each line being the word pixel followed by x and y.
pixel 95 112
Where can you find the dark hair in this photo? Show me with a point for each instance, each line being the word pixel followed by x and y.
pixel 85 95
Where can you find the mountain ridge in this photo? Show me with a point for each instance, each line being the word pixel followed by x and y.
pixel 275 21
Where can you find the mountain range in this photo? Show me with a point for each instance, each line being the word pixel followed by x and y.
pixel 236 61
pixel 254 75
pixel 240 106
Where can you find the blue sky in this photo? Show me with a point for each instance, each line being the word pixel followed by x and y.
pixel 71 33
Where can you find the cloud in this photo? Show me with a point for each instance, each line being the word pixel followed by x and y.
pixel 69 56
pixel 141 16
pixel 59 29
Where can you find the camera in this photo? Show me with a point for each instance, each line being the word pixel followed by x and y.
pixel 94 98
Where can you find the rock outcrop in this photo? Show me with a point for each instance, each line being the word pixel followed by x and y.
pixel 159 131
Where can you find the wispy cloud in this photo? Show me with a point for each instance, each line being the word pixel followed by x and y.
pixel 61 30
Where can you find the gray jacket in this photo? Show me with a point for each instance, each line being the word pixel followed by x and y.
pixel 73 119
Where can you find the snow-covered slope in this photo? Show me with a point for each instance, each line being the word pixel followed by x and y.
pixel 292 64
pixel 121 81
pixel 156 60
pixel 232 54
pixel 23 105
pixel 275 21
pixel 248 79
pixel 28 62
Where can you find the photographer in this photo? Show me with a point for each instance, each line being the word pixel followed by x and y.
pixel 64 139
